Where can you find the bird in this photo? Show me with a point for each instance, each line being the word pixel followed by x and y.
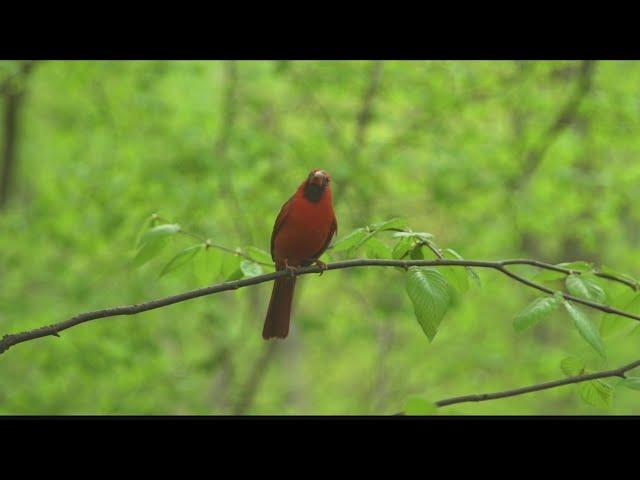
pixel 304 228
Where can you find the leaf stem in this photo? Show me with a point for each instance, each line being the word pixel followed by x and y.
pixel 210 244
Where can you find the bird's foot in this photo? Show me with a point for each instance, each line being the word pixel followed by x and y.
pixel 322 266
pixel 291 269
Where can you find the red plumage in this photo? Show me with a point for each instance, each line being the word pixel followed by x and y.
pixel 302 232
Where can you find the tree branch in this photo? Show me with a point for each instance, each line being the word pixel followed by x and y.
pixel 616 372
pixel 483 397
pixel 10 340
pixel 568 271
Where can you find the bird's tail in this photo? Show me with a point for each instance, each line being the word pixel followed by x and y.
pixel 277 322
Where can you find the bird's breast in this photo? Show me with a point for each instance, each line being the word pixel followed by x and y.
pixel 305 232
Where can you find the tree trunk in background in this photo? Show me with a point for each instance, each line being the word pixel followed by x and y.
pixel 573 246
pixel 533 157
pixel 13 96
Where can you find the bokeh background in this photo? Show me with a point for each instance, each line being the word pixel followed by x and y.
pixel 496 159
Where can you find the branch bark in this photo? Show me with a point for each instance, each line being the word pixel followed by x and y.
pixel 482 397
pixel 10 340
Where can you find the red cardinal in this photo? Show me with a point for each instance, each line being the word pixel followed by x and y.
pixel 303 230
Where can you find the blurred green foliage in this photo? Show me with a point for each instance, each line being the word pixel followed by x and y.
pixel 495 159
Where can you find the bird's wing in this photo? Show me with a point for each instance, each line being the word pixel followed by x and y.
pixel 280 219
pixel 333 231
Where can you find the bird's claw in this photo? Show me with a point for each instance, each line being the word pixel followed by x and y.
pixel 322 266
pixel 292 270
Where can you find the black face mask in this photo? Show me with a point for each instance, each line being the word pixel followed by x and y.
pixel 313 192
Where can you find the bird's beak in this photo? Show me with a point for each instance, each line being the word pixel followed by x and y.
pixel 318 178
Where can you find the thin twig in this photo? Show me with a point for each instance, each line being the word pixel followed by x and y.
pixel 569 271
pixel 616 372
pixel 483 397
pixel 209 244
pixel 431 246
pixel 9 340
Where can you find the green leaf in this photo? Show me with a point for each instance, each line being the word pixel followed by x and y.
pixel 615 292
pixel 551 275
pixel 457 280
pixel 417 253
pixel 389 224
pixel 417 405
pixel 158 232
pixel 431 298
pixel 635 331
pixel 419 235
pixel 375 248
pixel 148 251
pixel 402 248
pixel 571 366
pixel 628 301
pixel 548 276
pixel 367 238
pixel 234 275
pixel 147 224
pixel 431 246
pixel 596 393
pixel 631 382
pixel 182 258
pixel 259 255
pixel 350 240
pixel 451 253
pixel 580 266
pixel 586 328
pixel 537 310
pixel 582 287
pixel 230 267
pixel 474 276
pixel 470 272
pixel 250 269
pixel 625 276
pixel 457 277
pixel 325 257
pixel 207 268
